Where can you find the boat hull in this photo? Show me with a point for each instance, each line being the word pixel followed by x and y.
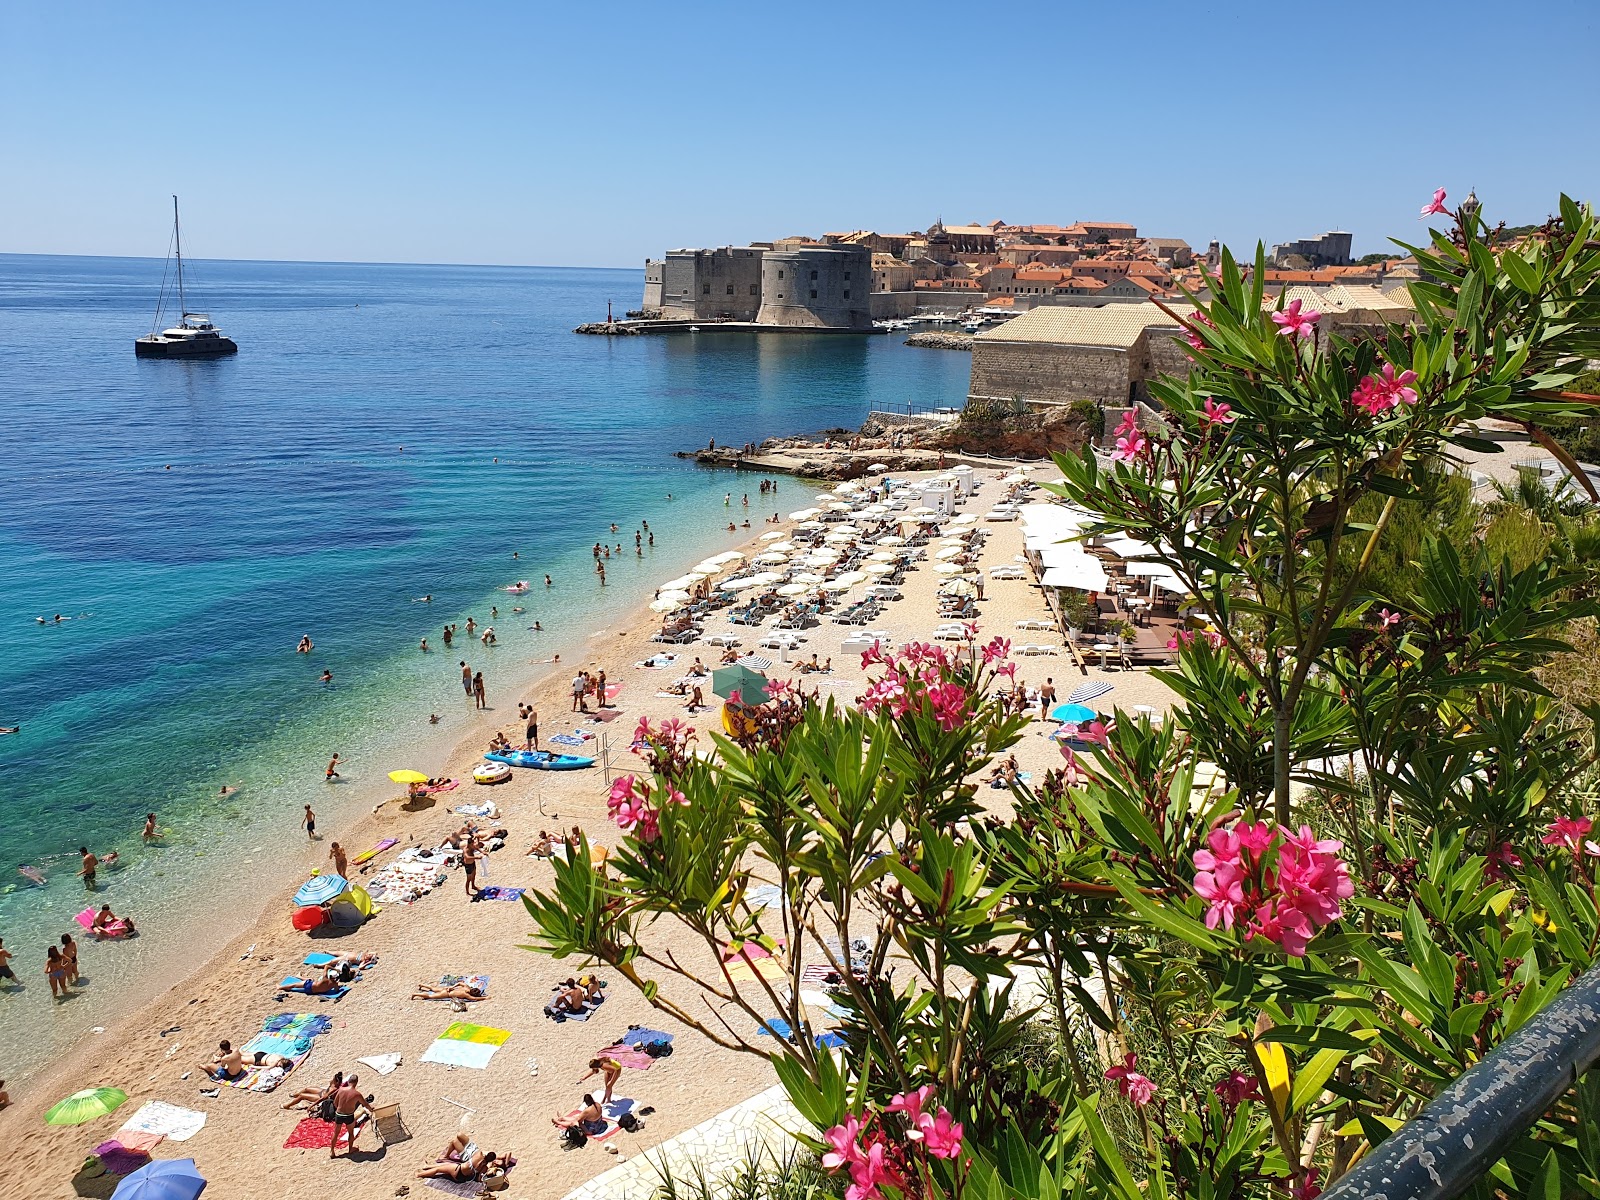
pixel 541 760
pixel 147 347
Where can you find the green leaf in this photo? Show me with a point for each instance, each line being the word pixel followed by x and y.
pixel 1549 1183
pixel 1520 272
pixel 1308 1084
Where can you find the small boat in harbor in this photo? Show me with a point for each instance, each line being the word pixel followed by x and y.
pixel 194 336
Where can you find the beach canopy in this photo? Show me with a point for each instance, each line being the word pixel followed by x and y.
pixel 163 1179
pixel 793 589
pixel 1077 714
pixel 319 889
pixel 408 777
pixel 88 1105
pixel 751 685
pixel 308 918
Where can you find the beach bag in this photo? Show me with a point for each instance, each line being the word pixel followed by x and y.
pixel 324 1109
pixel 628 1122
pixel 573 1138
pixel 658 1049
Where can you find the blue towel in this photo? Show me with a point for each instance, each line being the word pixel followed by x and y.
pixel 319 960
pixel 566 739
pixel 639 1037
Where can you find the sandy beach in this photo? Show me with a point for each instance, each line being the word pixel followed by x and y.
pixel 154 1054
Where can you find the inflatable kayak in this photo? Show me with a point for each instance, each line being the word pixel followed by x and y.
pixel 541 760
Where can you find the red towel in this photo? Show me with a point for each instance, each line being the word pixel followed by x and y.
pixel 627 1056
pixel 313 1133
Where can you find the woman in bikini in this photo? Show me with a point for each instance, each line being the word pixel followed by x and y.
pixel 589 1118
pixel 55 970
pixel 311 1097
pixel 467 1169
pixel 456 991
pixel 69 953
pixel 610 1069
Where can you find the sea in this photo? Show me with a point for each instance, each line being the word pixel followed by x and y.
pixel 391 448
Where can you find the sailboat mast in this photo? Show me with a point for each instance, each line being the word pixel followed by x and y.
pixel 177 242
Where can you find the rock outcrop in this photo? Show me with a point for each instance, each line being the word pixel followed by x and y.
pixel 988 427
pixel 608 329
pixel 941 341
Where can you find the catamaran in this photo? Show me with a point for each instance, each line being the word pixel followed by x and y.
pixel 194 336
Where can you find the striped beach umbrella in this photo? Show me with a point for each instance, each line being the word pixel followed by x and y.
pixel 1086 692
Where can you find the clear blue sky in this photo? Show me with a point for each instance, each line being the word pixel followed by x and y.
pixel 596 133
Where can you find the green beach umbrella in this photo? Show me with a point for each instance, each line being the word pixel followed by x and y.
pixel 751 685
pixel 87 1105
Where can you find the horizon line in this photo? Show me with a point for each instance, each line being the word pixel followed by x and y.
pixel 324 262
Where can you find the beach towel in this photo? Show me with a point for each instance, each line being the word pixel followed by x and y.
pixel 313 1133
pixel 119 1159
pixel 487 809
pixel 286 1044
pixel 301 1024
pixel 778 1027
pixel 766 968
pixel 266 1078
pixel 449 785
pixel 168 1120
pixel 639 1035
pixel 612 1111
pixel 499 893
pixel 766 895
pixel 481 982
pixel 368 855
pixel 383 1064
pixel 466 1045
pixel 566 739
pixel 626 1056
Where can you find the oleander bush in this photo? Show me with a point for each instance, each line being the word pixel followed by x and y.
pixel 1140 983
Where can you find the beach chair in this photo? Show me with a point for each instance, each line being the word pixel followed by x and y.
pixel 388 1124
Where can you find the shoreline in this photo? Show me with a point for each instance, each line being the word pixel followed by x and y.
pixel 80 1063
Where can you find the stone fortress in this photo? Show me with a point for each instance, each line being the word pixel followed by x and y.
pixel 795 285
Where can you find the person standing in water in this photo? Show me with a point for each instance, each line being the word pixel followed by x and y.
pixel 310 822
pixel 149 827
pixel 332 772
pixel 480 699
pixel 90 862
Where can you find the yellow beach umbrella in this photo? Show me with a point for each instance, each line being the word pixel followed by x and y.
pixel 408 777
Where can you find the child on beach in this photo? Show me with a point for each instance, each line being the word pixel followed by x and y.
pixel 340 866
pixel 6 973
pixel 310 822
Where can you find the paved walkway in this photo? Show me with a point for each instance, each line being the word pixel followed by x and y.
pixel 754 1129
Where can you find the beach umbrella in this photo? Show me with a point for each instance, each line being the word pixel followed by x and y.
pixel 87 1105
pixel 319 889
pixel 811 525
pixel 879 568
pixel 756 662
pixel 964 519
pixel 949 568
pixel 877 469
pixel 958 587
pixel 665 605
pixel 951 551
pixel 1088 691
pixel 771 559
pixel 308 918
pixel 708 568
pixel 765 577
pixel 781 548
pixel 921 510
pixel 808 577
pixel 839 539
pixel 880 556
pixel 793 589
pixel 804 514
pixel 729 556
pixel 738 585
pixel 751 685
pixel 893 539
pixel 849 579
pixel 408 777
pixel 163 1179
pixel 1077 714
pixel 774 533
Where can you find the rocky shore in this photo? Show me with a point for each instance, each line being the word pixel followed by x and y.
pixel 609 328
pixel 941 341
pixel 982 432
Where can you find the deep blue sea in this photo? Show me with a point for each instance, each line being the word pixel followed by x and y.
pixel 386 432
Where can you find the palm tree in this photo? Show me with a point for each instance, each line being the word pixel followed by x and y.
pixel 1531 494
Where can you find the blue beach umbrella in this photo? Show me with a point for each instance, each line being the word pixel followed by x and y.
pixel 1078 714
pixel 164 1179
pixel 320 889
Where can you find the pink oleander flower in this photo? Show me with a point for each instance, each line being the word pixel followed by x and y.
pixel 1387 618
pixel 1132 444
pixel 971 629
pixel 777 688
pixel 1436 205
pixel 996 650
pixel 1283 926
pixel 911 1104
pixel 621 789
pixel 673 796
pixel 1098 733
pixel 1219 878
pixel 1236 1089
pixel 1180 639
pixel 941 1134
pixel 736 697
pixel 872 655
pixel 843 1140
pixel 1073 773
pixel 1192 336
pixel 1009 670
pixel 1136 1087
pixel 1568 832
pixel 1379 393
pixel 1498 859
pixel 1217 412
pixel 1306 1188
pixel 1293 322
pixel 949 705
pixel 867 1172
pixel 1312 876
pixel 1254 838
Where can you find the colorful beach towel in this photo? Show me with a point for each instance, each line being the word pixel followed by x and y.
pixel 499 893
pixel 778 1027
pixel 613 1111
pixel 487 809
pixel 466 1045
pixel 639 1035
pixel 313 1133
pixel 449 785
pixel 626 1056
pixel 167 1120
pixel 481 982
pixel 369 855
pixel 298 1024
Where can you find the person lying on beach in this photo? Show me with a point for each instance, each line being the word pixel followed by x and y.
pixel 540 848
pixel 345 968
pixel 322 986
pixel 311 1097
pixel 678 689
pixel 589 1118
pixel 456 1164
pixel 456 991
pixel 226 1065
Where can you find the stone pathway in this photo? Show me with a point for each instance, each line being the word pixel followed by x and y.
pixel 754 1129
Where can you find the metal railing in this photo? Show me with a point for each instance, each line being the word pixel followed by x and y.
pixel 1450 1145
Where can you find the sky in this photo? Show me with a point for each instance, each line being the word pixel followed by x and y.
pixel 596 134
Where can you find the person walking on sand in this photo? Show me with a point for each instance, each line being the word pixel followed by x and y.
pixel 1047 697
pixel 341 867
pixel 347 1103
pixel 479 698
pixel 90 862
pixel 531 718
pixel 332 772
pixel 466 680
pixel 580 685
pixel 310 822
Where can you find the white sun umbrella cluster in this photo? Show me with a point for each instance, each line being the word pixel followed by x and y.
pixel 804 514
pixel 893 539
pixel 879 568
pixel 848 580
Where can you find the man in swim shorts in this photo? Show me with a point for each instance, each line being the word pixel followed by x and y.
pixel 6 972
pixel 347 1104
pixel 226 1065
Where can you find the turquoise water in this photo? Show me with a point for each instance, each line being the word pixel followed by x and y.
pixel 386 432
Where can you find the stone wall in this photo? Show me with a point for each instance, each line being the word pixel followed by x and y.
pixel 818 287
pixel 704 284
pixel 1045 373
pixel 652 284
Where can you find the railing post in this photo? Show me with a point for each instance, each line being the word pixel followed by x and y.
pixel 1447 1147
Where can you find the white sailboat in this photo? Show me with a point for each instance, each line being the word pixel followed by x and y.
pixel 194 336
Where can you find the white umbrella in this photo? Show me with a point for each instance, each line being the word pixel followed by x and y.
pixel 804 514
pixel 839 539
pixel 964 519
pixel 848 486
pixel 838 506
pixel 893 539
pixel 821 558
pixel 709 567
pixel 879 568
pixel 739 585
pixel 949 568
pixel 875 510
pixel 729 556
pixel 811 524
pixel 772 558
pixel 809 577
pixel 921 510
pixel 765 577
pixel 951 551
pixel 958 587
pixel 846 528
pixel 877 469
pixel 682 583
pixel 793 589
pixel 665 605
pixel 781 548
pixel 881 556
pixel 826 497
pixel 849 579
pixel 768 536
pixel 673 594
